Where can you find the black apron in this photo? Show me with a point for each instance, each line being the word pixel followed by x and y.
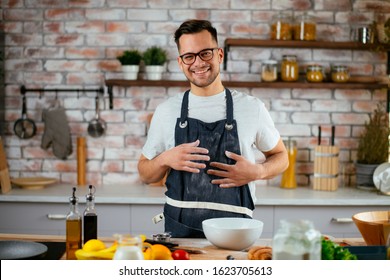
pixel 191 197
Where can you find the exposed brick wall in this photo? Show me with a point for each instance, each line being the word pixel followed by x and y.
pixel 74 44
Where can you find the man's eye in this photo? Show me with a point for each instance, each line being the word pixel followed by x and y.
pixel 188 57
pixel 205 54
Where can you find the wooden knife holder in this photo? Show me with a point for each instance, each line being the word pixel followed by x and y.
pixel 326 168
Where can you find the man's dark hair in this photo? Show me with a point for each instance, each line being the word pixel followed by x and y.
pixel 195 26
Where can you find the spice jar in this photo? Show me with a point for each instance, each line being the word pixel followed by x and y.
pixel 305 28
pixel 281 27
pixel 269 71
pixel 289 68
pixel 314 73
pixel 340 73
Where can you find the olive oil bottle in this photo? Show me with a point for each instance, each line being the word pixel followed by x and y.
pixel 90 216
pixel 73 228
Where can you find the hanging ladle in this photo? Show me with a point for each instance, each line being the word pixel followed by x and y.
pixel 24 127
pixel 97 126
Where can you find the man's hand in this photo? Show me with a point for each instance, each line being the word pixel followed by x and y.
pixel 184 157
pixel 238 174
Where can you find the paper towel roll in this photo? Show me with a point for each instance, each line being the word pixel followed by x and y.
pixel 81 160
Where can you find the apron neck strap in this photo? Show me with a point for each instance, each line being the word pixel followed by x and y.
pixel 229 107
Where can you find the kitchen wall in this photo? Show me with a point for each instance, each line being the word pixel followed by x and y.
pixel 73 44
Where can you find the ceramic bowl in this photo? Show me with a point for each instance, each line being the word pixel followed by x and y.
pixel 374 226
pixel 232 233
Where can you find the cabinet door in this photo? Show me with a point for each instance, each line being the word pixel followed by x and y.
pixel 266 215
pixel 32 218
pixel 335 221
pixel 142 219
pixel 49 218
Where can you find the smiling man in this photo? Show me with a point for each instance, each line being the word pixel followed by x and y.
pixel 204 139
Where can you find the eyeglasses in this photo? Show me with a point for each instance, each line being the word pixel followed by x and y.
pixel 205 55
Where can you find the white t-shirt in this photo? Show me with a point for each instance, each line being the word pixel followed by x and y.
pixel 254 124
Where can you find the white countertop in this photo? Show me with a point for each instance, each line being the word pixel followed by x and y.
pixel 144 194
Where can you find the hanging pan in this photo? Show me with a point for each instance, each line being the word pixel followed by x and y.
pixel 97 126
pixel 24 127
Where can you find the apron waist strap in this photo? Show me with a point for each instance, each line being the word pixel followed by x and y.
pixel 209 205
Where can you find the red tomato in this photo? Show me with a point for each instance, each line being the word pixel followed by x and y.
pixel 180 255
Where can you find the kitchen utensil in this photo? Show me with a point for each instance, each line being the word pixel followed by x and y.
pixel 373 226
pixel 81 161
pixel 5 182
pixel 24 127
pixel 232 233
pixel 381 178
pixel 21 250
pixel 33 182
pixel 365 35
pixel 97 126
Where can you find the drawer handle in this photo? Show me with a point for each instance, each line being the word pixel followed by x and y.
pixel 56 217
pixel 342 220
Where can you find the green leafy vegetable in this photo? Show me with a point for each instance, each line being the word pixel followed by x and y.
pixel 333 251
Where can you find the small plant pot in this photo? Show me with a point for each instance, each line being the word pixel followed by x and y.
pixel 130 72
pixel 154 72
pixel 365 176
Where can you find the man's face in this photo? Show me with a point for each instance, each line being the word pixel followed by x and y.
pixel 200 73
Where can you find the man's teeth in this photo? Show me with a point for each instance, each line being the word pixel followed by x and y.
pixel 200 71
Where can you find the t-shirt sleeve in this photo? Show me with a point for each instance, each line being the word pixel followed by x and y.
pixel 160 136
pixel 267 136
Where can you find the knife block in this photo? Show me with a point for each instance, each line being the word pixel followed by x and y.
pixel 326 168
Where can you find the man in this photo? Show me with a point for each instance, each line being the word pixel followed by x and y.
pixel 204 138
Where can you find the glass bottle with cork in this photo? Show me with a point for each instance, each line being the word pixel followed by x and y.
pixel 73 228
pixel 90 216
pixel 288 177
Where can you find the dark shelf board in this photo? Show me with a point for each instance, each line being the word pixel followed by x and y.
pixel 242 42
pixel 249 84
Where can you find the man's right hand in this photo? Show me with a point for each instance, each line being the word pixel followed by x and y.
pixel 185 157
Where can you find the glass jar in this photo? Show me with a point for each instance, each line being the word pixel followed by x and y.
pixel 305 28
pixel 130 247
pixel 289 69
pixel 281 27
pixel 340 73
pixel 269 71
pixel 314 73
pixel 297 240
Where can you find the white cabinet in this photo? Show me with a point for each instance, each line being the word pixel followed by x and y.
pixel 49 218
pixel 335 221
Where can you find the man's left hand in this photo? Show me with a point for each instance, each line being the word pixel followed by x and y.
pixel 238 174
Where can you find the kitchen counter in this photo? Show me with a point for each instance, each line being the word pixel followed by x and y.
pixel 207 251
pixel 145 194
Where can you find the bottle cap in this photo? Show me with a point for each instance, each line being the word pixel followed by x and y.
pixel 90 196
pixel 73 199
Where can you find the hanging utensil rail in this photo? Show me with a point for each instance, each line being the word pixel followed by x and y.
pixel 23 90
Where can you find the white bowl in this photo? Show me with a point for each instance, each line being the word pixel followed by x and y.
pixel 232 233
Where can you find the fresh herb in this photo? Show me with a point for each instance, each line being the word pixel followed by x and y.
pixel 333 251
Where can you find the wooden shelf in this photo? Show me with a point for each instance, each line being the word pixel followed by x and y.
pixel 242 84
pixel 241 42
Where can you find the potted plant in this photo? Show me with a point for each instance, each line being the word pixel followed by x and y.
pixel 154 59
pixel 373 147
pixel 130 60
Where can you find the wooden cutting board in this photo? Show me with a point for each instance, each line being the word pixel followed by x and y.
pixel 5 181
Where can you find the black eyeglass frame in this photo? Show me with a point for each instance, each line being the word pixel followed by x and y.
pixel 198 54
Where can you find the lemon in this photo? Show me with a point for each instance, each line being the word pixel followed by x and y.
pixel 94 245
pixel 161 252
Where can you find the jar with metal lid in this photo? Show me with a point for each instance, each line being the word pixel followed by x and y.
pixel 269 71
pixel 281 27
pixel 305 28
pixel 289 69
pixel 340 73
pixel 315 73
